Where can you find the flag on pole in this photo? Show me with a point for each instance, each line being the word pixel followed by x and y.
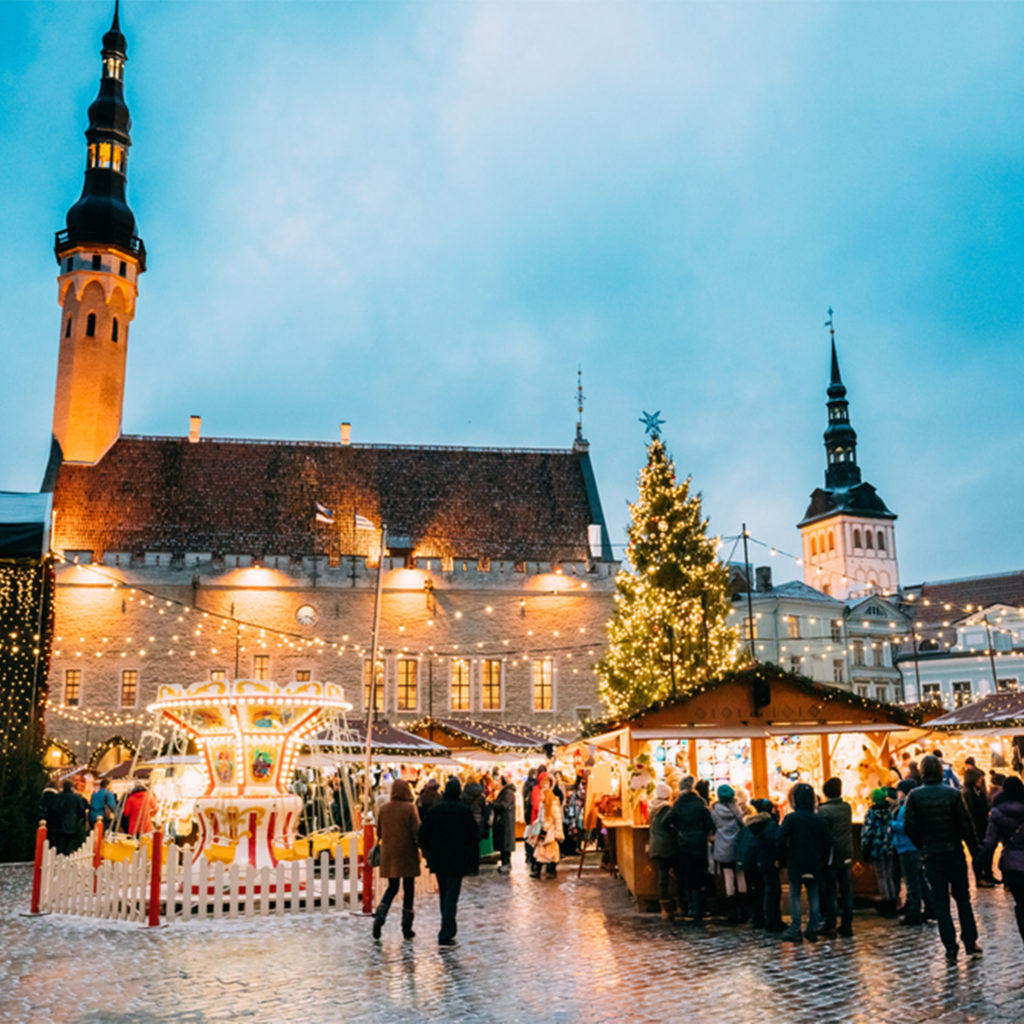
pixel 324 514
pixel 362 523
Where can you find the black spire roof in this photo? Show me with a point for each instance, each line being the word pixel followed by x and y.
pixel 102 215
pixel 844 491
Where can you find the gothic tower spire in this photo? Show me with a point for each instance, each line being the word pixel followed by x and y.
pixel 100 258
pixel 840 437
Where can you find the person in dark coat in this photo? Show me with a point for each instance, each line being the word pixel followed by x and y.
pixel 430 794
pixel 397 832
pixel 804 846
pixel 690 822
pixel 976 798
pixel 504 824
pixel 663 852
pixel 937 823
pixel 838 816
pixel 450 840
pixel 68 815
pixel 473 797
pixel 761 867
pixel 1006 826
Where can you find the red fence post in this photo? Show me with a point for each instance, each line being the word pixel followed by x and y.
pixel 154 878
pixel 367 869
pixel 37 868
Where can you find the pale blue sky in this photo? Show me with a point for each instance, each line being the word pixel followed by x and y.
pixel 421 217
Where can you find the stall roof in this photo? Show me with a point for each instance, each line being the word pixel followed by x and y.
pixel 385 739
pixel 998 712
pixel 466 732
pixel 791 704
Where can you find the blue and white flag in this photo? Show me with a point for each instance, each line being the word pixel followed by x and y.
pixel 362 523
pixel 324 514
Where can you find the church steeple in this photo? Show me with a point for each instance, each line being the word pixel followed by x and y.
pixel 100 258
pixel 102 215
pixel 840 437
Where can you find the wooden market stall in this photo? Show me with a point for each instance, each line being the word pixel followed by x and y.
pixel 761 729
pixel 990 729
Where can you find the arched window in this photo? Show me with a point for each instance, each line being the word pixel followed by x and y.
pixel 831 541
pixel 814 548
pixel 67 329
pixel 90 326
pixel 881 541
pixel 869 539
pixel 113 330
pixel 856 538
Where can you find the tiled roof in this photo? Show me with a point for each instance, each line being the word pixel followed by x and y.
pixel 861 500
pixel 996 710
pixel 491 736
pixel 258 497
pixel 930 599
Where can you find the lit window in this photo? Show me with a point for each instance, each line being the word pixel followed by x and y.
pixel 792 626
pixel 217 675
pixel 460 685
pixel 378 696
pixel 490 685
pixel 831 541
pixel 961 694
pixel 302 675
pixel 407 678
pixel 543 685
pixel 129 687
pixel 261 666
pixel 931 692
pixel 1006 685
pixel 749 628
pixel 72 686
pixel 837 672
pixel 814 548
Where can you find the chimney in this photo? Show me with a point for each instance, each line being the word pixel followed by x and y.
pixel 346 433
pixel 194 425
pixel 764 578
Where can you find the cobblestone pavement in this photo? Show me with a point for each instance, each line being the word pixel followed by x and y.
pixel 560 951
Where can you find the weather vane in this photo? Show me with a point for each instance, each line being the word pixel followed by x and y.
pixel 829 323
pixel 579 403
pixel 652 422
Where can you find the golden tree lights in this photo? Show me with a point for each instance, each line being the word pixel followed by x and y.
pixel 669 632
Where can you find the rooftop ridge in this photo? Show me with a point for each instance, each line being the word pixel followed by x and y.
pixel 337 444
pixel 965 579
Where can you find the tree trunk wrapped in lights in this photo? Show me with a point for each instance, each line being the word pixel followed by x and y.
pixel 669 630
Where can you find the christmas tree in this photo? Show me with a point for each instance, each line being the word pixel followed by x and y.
pixel 669 630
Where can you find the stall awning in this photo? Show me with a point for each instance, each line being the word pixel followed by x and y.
pixel 491 736
pixel 385 740
pixel 1000 713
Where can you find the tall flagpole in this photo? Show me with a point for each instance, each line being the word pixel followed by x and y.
pixel 371 699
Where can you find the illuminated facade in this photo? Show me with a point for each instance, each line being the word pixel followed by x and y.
pixel 191 558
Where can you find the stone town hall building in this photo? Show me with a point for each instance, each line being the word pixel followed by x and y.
pixel 196 557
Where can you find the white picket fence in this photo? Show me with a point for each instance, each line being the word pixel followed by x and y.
pixel 120 890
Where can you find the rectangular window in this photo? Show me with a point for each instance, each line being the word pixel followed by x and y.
pixel 931 692
pixel 795 662
pixel 408 673
pixel 878 655
pixel 837 671
pixel 303 675
pixel 490 684
pixel 217 675
pixel 749 628
pixel 378 703
pixel 858 652
pixel 129 687
pixel 72 686
pixel 961 694
pixel 837 630
pixel 123 269
pixel 862 691
pixel 792 623
pixel 882 693
pixel 261 666
pixel 543 684
pixel 460 685
pixel 1006 685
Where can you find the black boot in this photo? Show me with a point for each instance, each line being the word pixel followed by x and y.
pixel 407 932
pixel 379 916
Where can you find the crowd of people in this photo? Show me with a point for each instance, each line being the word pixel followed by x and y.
pixel 734 850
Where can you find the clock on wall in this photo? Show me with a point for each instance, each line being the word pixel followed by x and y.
pixel 306 615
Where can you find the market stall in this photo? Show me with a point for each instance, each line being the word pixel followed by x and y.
pixel 991 730
pixel 761 730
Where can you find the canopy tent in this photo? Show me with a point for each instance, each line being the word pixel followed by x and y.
pixel 24 524
pixel 999 714
pixel 386 742
pixel 467 734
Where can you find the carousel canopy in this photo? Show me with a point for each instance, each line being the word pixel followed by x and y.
pixel 998 713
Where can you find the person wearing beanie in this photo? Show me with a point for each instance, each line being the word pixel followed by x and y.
pixel 728 822
pixel 937 823
pixel 917 907
pixel 761 868
pixel 451 841
pixel 803 844
pixel 1006 826
pixel 689 822
pixel 876 847
pixel 837 887
pixel 662 851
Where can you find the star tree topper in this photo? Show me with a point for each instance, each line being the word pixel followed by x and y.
pixel 652 422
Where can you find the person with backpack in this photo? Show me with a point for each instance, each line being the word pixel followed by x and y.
pixel 838 881
pixel 876 846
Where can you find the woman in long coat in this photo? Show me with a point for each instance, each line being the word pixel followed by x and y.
pixel 547 851
pixel 397 829
pixel 504 806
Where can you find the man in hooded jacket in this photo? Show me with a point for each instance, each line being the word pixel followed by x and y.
pixel 451 842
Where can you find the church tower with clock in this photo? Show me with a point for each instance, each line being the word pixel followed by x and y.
pixel 100 258
pixel 848 532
